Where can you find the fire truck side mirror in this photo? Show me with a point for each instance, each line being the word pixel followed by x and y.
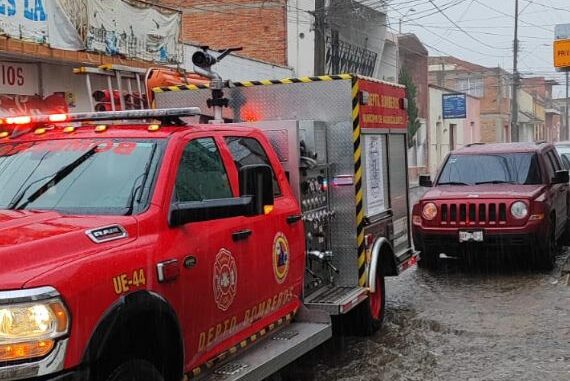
pixel 257 181
pixel 425 181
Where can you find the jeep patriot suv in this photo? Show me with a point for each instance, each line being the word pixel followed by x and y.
pixel 494 196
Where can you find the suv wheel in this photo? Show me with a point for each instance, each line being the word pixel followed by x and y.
pixel 545 254
pixel 429 259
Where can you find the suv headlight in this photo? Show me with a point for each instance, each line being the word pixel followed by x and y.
pixel 519 210
pixel 30 322
pixel 429 211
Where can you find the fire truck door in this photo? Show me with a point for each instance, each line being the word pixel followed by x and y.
pixel 213 272
pixel 274 253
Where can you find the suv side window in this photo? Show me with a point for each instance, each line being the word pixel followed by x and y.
pixel 248 151
pixel 555 160
pixel 553 164
pixel 201 174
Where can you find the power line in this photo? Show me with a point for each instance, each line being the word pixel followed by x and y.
pixel 459 27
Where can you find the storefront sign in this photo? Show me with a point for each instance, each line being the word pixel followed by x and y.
pixel 115 27
pixel 562 54
pixel 24 19
pixel 382 106
pixel 454 106
pixel 19 78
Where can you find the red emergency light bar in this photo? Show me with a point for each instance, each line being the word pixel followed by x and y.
pixel 104 116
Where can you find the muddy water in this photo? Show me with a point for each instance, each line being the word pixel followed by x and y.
pixel 479 323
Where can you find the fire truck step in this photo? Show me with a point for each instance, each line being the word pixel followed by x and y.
pixel 336 300
pixel 273 353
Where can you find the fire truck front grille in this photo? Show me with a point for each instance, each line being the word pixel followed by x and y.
pixel 473 214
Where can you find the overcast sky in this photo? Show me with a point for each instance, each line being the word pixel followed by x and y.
pixel 484 30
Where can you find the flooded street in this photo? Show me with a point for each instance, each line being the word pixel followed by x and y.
pixel 459 324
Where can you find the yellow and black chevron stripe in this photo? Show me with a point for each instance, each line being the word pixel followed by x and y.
pixel 257 83
pixel 196 372
pixel 357 143
pixel 356 139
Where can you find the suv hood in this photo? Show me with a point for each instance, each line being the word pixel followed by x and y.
pixel 32 243
pixel 483 191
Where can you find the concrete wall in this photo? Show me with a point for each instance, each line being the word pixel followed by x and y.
pixel 360 26
pixel 388 70
pixel 448 134
pixel 239 68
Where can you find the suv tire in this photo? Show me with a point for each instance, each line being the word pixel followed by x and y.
pixel 429 259
pixel 135 370
pixel 545 254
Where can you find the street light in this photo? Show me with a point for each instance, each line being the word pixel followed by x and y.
pixel 404 16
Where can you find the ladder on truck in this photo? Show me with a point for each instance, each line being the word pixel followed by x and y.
pixel 121 75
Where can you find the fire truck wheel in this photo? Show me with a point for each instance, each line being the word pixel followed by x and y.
pixel 367 317
pixel 135 370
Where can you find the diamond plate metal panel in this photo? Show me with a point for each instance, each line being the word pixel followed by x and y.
pixel 343 240
pixel 299 101
pixel 329 102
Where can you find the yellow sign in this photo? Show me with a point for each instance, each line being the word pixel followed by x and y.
pixel 562 53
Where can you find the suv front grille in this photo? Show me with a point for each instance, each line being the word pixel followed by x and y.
pixel 479 214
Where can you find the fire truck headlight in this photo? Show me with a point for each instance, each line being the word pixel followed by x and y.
pixel 519 210
pixel 430 211
pixel 30 323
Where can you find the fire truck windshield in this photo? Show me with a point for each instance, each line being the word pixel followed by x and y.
pixel 77 176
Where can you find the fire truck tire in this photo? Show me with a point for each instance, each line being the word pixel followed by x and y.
pixel 135 370
pixel 429 259
pixel 368 316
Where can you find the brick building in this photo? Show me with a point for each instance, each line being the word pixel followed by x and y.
pixel 491 85
pixel 260 27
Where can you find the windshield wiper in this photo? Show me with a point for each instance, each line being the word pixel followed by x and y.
pixel 495 182
pixel 452 183
pixel 135 189
pixel 54 180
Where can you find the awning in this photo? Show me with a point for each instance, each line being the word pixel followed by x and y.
pixel 527 117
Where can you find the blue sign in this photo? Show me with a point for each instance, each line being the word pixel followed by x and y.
pixel 454 106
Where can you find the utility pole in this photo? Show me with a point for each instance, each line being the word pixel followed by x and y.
pixel 320 43
pixel 514 95
pixel 567 129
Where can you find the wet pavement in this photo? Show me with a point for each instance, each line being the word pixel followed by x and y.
pixel 458 323
pixel 483 321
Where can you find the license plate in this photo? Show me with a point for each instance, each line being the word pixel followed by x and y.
pixel 471 236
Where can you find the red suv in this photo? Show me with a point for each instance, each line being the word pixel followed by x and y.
pixel 494 197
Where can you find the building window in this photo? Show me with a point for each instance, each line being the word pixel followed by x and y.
pixel 471 86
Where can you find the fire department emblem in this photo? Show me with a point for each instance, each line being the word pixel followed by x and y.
pixel 280 257
pixel 225 279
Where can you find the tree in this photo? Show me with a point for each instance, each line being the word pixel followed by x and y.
pixel 411 91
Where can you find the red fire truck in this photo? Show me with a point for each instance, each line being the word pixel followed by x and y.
pixel 177 246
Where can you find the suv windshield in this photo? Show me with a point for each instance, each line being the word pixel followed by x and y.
pixel 76 176
pixel 511 168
